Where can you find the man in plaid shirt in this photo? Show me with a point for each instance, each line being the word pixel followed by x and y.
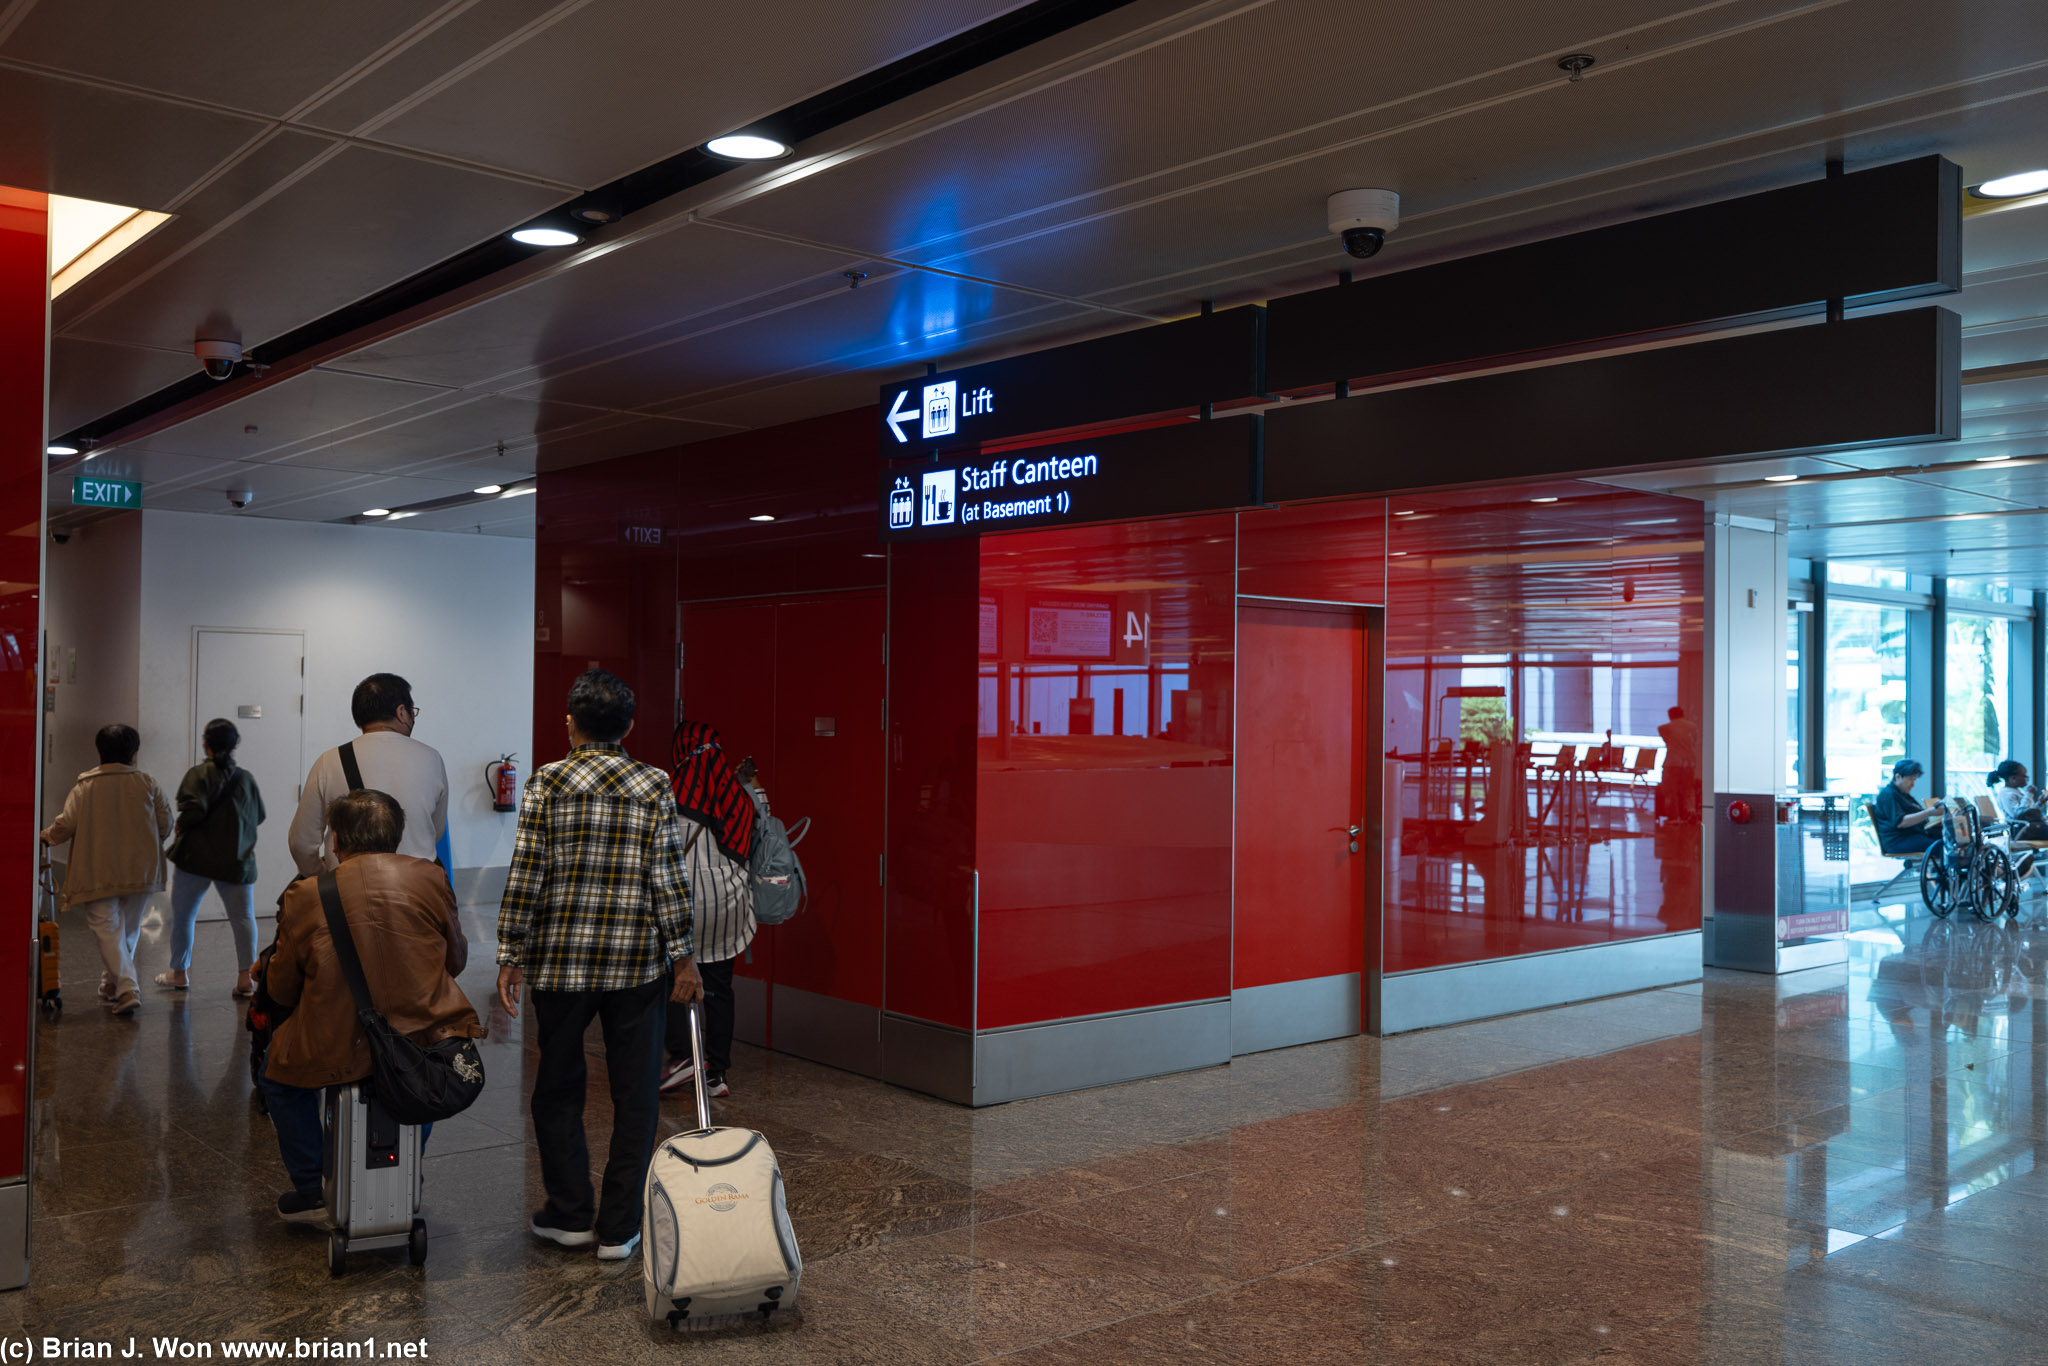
pixel 597 916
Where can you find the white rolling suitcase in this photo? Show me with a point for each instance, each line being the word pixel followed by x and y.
pixel 372 1178
pixel 718 1237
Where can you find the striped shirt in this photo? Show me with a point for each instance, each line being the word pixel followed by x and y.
pixel 597 899
pixel 721 896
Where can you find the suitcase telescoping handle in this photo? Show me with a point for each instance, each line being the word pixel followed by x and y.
pixel 697 1059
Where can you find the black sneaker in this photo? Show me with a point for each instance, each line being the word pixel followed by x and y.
pixel 295 1208
pixel 715 1087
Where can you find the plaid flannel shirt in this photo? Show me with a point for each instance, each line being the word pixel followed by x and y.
pixel 597 899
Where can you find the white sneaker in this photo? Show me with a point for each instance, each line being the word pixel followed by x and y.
pixel 618 1252
pixel 676 1074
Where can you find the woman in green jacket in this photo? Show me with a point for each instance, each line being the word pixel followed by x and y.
pixel 219 809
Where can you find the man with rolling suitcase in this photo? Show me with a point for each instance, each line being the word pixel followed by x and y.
pixel 596 918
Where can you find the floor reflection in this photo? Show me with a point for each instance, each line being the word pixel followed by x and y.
pixel 1838 1165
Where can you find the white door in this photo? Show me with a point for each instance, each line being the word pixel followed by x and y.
pixel 256 679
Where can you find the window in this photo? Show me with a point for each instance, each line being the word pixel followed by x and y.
pixel 1866 696
pixel 1795 728
pixel 1977 695
pixel 1985 590
pixel 1869 576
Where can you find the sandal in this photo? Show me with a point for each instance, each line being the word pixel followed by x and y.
pixel 163 979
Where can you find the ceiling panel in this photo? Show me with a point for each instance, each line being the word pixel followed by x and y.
pixel 113 146
pixel 512 517
pixel 620 84
pixel 1853 500
pixel 890 321
pixel 304 408
pixel 664 282
pixel 263 58
pixel 366 217
pixel 89 378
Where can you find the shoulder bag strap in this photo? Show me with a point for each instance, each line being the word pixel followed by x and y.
pixel 344 943
pixel 349 770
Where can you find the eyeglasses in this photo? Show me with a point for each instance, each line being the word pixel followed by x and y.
pixel 411 708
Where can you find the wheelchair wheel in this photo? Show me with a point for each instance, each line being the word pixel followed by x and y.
pixel 1992 884
pixel 1937 883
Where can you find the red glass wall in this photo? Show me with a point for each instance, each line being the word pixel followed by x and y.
pixel 24 315
pixel 1103 725
pixel 1537 638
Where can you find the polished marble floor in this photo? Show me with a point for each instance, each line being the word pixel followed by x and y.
pixel 1840 1166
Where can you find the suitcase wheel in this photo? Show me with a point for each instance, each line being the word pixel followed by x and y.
pixel 416 1243
pixel 337 1253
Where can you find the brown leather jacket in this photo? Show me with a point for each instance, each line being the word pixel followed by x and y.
pixel 402 918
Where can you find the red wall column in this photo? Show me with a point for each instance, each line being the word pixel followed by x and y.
pixel 24 351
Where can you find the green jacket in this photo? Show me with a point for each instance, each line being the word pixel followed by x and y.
pixel 217 823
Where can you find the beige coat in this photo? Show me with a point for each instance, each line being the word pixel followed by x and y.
pixel 116 821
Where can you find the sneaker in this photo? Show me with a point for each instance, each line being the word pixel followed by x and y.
pixel 715 1087
pixel 565 1237
pixel 2026 863
pixel 679 1073
pixel 295 1208
pixel 126 1003
pixel 107 992
pixel 618 1252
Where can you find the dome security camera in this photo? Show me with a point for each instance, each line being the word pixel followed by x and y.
pixel 240 498
pixel 218 356
pixel 1361 219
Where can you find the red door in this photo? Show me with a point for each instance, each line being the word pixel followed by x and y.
pixel 1300 903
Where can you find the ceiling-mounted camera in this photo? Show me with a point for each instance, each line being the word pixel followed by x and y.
pixel 218 355
pixel 240 498
pixel 1363 218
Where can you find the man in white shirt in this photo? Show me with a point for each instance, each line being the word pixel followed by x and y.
pixel 388 759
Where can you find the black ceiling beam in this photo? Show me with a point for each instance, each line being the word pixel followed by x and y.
pixel 1882 379
pixel 821 113
pixel 1888 233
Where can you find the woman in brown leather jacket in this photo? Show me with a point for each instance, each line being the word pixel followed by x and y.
pixel 402 917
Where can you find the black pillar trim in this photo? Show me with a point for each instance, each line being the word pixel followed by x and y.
pixel 1937 687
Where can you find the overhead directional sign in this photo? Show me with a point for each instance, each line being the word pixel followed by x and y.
pixel 1172 367
pixel 1161 471
pixel 105 493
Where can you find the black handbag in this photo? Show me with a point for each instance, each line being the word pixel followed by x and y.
pixel 416 1085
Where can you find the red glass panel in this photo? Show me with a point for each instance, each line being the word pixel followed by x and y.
pixel 24 305
pixel 1104 727
pixel 1537 637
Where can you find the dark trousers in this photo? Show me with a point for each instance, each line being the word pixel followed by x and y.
pixel 718 1011
pixel 1907 843
pixel 633 1021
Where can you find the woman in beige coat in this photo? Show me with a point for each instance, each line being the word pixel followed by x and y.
pixel 116 821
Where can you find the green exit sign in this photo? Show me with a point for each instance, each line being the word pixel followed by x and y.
pixel 106 493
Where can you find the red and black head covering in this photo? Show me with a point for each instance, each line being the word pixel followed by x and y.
pixel 708 792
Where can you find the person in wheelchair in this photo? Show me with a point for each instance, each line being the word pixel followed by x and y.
pixel 1904 826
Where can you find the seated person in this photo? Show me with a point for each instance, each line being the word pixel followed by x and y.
pixel 1904 826
pixel 2017 801
pixel 402 917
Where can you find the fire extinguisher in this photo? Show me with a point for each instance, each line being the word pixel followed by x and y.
pixel 503 780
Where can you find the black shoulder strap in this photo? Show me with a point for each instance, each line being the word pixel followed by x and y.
pixel 344 942
pixel 348 766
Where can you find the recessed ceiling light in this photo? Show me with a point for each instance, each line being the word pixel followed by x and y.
pixel 1404 512
pixel 546 237
pixel 60 449
pixel 490 488
pixel 747 147
pixel 1780 478
pixel 376 512
pixel 2013 186
pixel 761 517
pixel 400 516
pixel 1543 500
pixel 517 493
pixel 1992 459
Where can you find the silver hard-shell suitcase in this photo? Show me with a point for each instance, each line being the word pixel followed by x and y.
pixel 372 1178
pixel 718 1237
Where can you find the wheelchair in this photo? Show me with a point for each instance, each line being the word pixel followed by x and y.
pixel 1966 871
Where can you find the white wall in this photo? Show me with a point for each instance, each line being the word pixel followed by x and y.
pixel 92 620
pixel 451 613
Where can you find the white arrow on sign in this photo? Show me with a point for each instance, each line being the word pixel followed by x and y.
pixel 896 417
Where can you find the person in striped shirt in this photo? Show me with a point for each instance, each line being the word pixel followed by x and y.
pixel 596 919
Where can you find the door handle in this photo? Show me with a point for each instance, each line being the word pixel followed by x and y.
pixel 1355 832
